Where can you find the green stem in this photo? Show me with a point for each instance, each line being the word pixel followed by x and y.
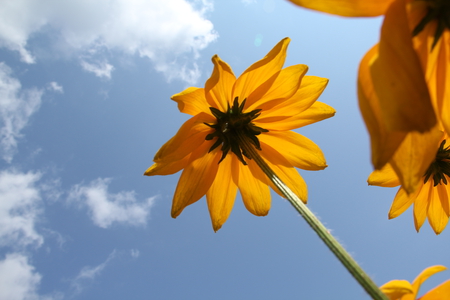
pixel 339 251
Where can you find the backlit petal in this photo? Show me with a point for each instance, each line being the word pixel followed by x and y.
pixel 220 196
pixel 347 8
pixel 284 170
pixel 396 289
pixel 298 150
pixel 168 168
pixel 398 77
pixel 421 204
pixel 219 86
pixel 317 112
pixel 264 71
pixel 254 189
pixel 286 84
pixel 196 178
pixel 386 177
pixel 420 279
pixel 437 212
pixel 383 142
pixel 441 292
pixel 192 101
pixel 402 202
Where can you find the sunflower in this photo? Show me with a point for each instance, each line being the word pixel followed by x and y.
pixel 403 290
pixel 406 74
pixel 235 120
pixel 431 198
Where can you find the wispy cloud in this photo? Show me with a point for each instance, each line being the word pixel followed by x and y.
pixel 16 107
pixel 170 33
pixel 54 86
pixel 107 208
pixel 88 274
pixel 19 209
pixel 101 69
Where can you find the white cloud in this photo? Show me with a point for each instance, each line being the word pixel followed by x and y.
pixel 170 32
pixel 100 69
pixel 16 107
pixel 89 273
pixel 106 208
pixel 19 209
pixel 54 86
pixel 18 280
pixel 135 253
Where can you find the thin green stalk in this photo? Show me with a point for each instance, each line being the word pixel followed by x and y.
pixel 349 263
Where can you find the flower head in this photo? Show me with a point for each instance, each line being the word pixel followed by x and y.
pixel 403 290
pixel 431 198
pixel 258 109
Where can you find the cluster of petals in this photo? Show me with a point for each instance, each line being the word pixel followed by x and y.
pixel 403 290
pixel 287 100
pixel 404 97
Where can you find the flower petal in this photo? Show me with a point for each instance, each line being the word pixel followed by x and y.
pixel 317 112
pixel 297 149
pixel 286 84
pixel 386 177
pixel 421 204
pixel 437 212
pixel 219 86
pixel 196 178
pixel 396 289
pixel 402 202
pixel 310 89
pixel 284 170
pixel 167 168
pixel 189 136
pixel 192 101
pixel 383 142
pixel 254 189
pixel 441 292
pixel 414 156
pixel 398 77
pixel 220 196
pixel 264 71
pixel 424 275
pixel 347 8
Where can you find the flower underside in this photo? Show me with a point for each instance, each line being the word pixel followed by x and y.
pixel 438 10
pixel 440 168
pixel 232 128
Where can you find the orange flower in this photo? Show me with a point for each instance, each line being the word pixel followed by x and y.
pixel 259 109
pixel 403 290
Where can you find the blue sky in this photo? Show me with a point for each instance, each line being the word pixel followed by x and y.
pixel 85 104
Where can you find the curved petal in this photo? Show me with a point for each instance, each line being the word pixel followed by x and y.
pixel 191 134
pixel 424 275
pixel 396 289
pixel 192 101
pixel 219 86
pixel 310 89
pixel 254 189
pixel 347 8
pixel 437 212
pixel 297 149
pixel 220 196
pixel 421 204
pixel 441 292
pixel 384 143
pixel 284 170
pixel 196 178
pixel 167 168
pixel 317 112
pixel 401 203
pixel 414 156
pixel 386 177
pixel 264 71
pixel 286 84
pixel 398 77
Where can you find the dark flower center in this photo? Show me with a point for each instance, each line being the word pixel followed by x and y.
pixel 438 10
pixel 232 128
pixel 440 168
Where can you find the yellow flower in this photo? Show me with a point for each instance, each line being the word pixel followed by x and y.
pixel 403 290
pixel 403 81
pixel 260 108
pixel 431 198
